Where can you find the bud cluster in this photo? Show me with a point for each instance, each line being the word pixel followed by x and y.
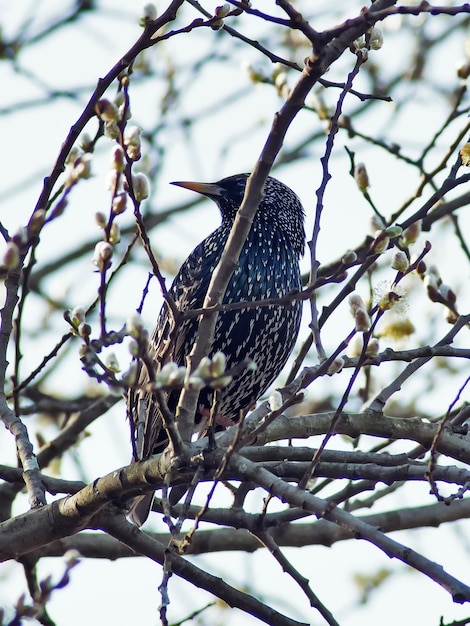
pixel 373 40
pixel 77 167
pixel 211 373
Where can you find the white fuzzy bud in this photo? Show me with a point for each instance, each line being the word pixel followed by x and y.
pixel 135 325
pixel 119 203
pixel 103 254
pixel 204 368
pixel 219 363
pixel 112 362
pixel 169 369
pixel 222 10
pixel 141 187
pixel 362 319
pixel 107 111
pixel 111 130
pixel 361 177
pixel 77 315
pixel 400 261
pixel 132 141
pixel 101 219
pixel 376 38
pixel 356 302
pixel 114 233
pixel 11 258
pixel 118 160
pixel 275 401
pixel 336 366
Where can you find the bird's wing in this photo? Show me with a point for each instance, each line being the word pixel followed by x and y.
pixel 170 342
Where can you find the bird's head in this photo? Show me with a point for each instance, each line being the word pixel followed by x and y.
pixel 280 206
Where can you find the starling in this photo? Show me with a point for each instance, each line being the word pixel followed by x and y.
pixel 268 267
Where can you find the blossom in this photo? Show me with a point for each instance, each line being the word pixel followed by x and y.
pixel 389 296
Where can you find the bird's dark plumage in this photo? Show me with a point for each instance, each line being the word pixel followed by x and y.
pixel 268 268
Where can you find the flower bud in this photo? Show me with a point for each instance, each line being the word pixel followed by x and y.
pixel 336 366
pixel 119 162
pixel 119 203
pixel 380 243
pixel 463 70
pixel 361 177
pixel 84 330
pixel 102 254
pixel 77 315
pixel 80 169
pixel 134 325
pixel 465 155
pixel 111 130
pixel 372 348
pixel 275 401
pixel 141 187
pixel 204 368
pixel 362 319
pixel 101 219
pixel 163 376
pixel 217 24
pixel 359 43
pixel 411 234
pixel 393 231
pixel 114 234
pixel 400 261
pixel 37 220
pixel 11 258
pixel 86 142
pixel 349 257
pixel 107 111
pixel 132 141
pixel 112 363
pixel 177 376
pixel 356 302
pixel 223 10
pixel 219 363
pixel 376 38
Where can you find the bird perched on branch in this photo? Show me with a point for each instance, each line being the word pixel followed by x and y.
pixel 268 267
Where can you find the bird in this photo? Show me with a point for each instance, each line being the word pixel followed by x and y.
pixel 268 267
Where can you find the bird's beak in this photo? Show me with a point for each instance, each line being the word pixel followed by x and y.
pixel 211 190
